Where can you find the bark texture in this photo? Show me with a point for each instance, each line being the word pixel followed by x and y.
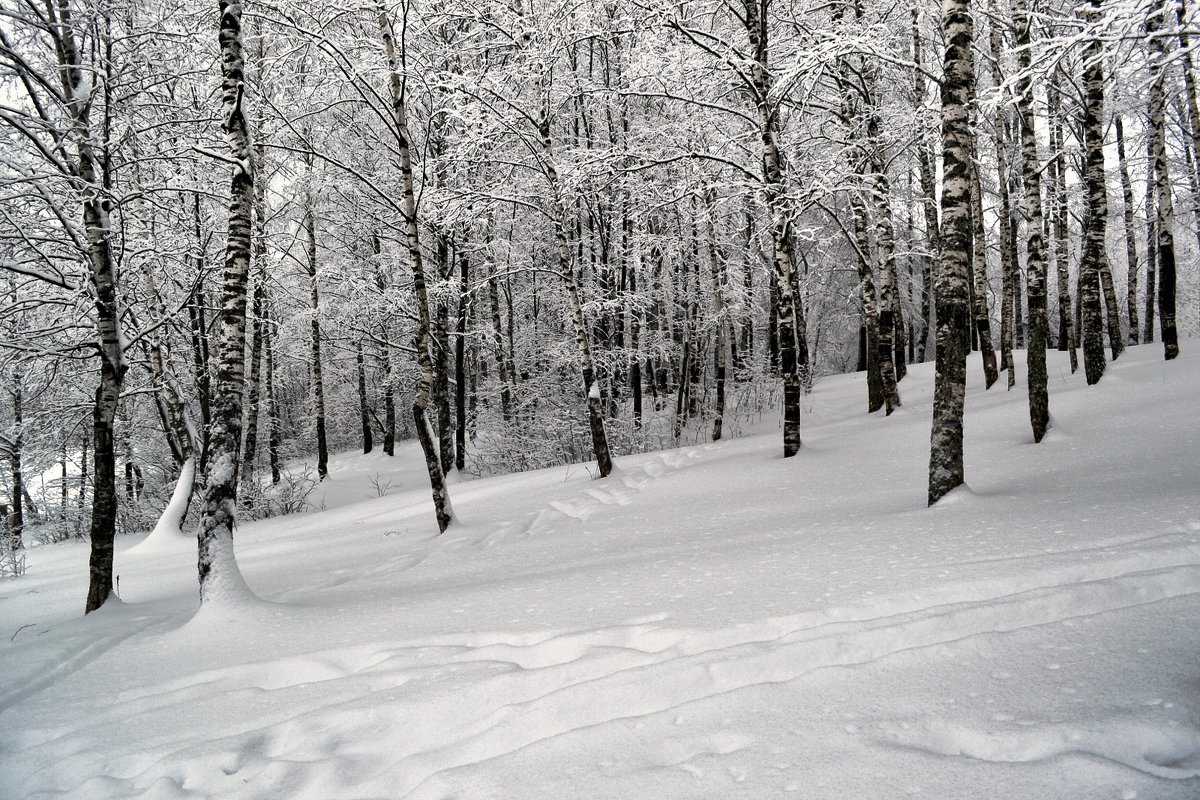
pixel 217 567
pixel 437 476
pixel 1035 264
pixel 1162 180
pixel 1095 232
pixel 946 471
pixel 781 233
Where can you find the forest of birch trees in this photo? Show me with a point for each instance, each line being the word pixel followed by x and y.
pixel 235 239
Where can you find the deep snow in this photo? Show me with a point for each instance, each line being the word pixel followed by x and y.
pixel 708 622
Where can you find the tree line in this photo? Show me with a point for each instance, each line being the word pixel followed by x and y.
pixel 559 232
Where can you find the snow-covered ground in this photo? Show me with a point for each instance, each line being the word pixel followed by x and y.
pixel 710 622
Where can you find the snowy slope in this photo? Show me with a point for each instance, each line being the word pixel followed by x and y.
pixel 710 622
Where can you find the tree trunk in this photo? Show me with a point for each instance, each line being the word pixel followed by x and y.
pixel 364 408
pixel 16 522
pixel 635 365
pixel 781 222
pixel 250 448
pixel 274 428
pixel 437 479
pixel 1131 258
pixel 460 366
pixel 950 284
pixel 1094 257
pixel 1067 336
pixel 983 324
pixel 1008 251
pixel 219 576
pixel 75 89
pixel 1162 182
pixel 441 361
pixel 318 380
pixel 721 346
pixel 928 197
pixel 1035 265
pixel 876 393
pixel 502 374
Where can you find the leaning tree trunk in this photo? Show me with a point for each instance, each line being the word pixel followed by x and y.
pixel 946 470
pixel 1162 181
pixel 1035 265
pixel 219 575
pixel 566 271
pixel 1095 233
pixel 437 476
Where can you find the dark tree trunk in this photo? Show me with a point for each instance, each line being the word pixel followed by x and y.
pixel 441 362
pixel 876 390
pixel 274 428
pixel 1067 334
pixel 502 374
pixel 460 366
pixel 437 478
pixel 1131 257
pixel 250 448
pixel 928 196
pixel 364 408
pixel 318 380
pixel 1008 241
pixel 983 324
pixel 16 522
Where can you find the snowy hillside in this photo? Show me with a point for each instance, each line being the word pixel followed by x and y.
pixel 710 622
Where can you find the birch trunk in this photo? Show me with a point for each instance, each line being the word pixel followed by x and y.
pixel 1095 231
pixel 946 471
pixel 460 366
pixel 274 429
pixel 318 378
pixel 1035 265
pixel 437 477
pixel 876 393
pixel 1008 250
pixel 983 324
pixel 721 346
pixel 928 197
pixel 76 78
pixel 1131 257
pixel 781 233
pixel 1067 335
pixel 1162 180
pixel 217 566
